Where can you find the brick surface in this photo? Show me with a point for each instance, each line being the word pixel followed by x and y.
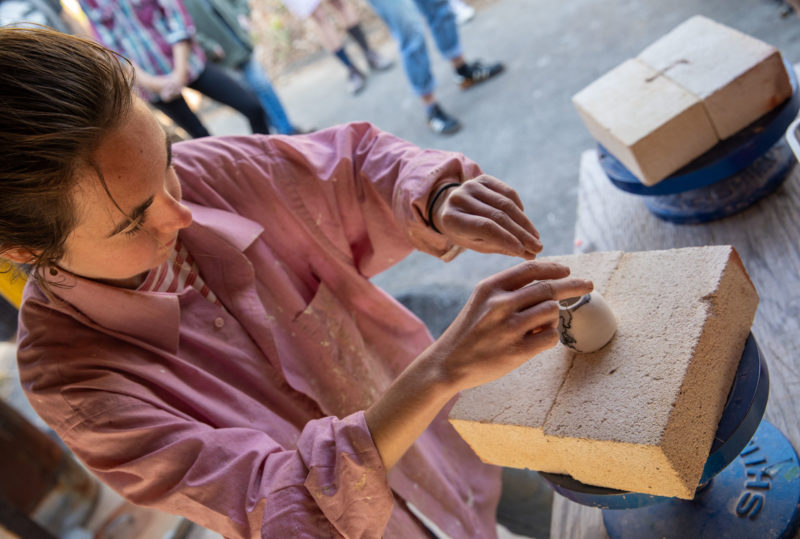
pixel 639 414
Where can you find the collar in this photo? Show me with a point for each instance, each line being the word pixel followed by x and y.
pixel 239 231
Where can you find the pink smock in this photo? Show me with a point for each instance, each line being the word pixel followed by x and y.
pixel 249 419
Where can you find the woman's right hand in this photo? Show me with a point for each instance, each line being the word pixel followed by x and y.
pixel 510 317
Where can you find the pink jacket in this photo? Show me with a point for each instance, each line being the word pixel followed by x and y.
pixel 249 419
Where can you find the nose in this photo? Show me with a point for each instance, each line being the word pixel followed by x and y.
pixel 183 215
pixel 173 215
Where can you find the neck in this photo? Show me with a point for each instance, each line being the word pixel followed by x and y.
pixel 130 283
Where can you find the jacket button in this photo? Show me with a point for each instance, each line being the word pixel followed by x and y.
pixel 219 323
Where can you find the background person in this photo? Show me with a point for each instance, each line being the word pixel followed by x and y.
pixel 157 37
pixel 332 38
pixel 403 19
pixel 222 31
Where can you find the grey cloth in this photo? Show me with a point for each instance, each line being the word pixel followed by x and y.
pixel 217 24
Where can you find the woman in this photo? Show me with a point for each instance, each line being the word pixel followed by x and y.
pixel 201 330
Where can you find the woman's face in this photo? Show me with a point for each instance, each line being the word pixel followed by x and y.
pixel 115 247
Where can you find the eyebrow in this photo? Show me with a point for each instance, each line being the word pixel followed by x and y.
pixel 139 210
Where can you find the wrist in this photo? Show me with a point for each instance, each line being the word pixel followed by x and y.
pixel 436 202
pixel 433 374
pixel 399 416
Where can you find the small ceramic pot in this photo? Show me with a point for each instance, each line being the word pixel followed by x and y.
pixel 586 323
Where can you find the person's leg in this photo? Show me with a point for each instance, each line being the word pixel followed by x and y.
pixel 442 24
pixel 258 80
pixel 349 19
pixel 180 113
pixel 345 11
pixel 329 35
pixel 333 41
pixel 215 83
pixel 402 18
pixel 404 23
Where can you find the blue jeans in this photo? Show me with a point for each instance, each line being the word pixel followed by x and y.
pixel 403 20
pixel 259 82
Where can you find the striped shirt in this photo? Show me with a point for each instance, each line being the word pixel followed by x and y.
pixel 145 31
pixel 176 274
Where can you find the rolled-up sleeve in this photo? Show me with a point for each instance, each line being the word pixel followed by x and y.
pixel 346 475
pixel 149 443
pixel 391 183
pixel 179 22
pixel 238 481
pixel 363 189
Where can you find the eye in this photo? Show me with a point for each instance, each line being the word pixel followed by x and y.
pixel 135 228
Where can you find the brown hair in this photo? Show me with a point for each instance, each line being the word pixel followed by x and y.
pixel 59 95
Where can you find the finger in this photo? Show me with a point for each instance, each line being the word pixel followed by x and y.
pixel 502 210
pixel 536 317
pixel 520 275
pixel 551 290
pixel 536 342
pixel 500 187
pixel 501 196
pixel 470 205
pixel 553 324
pixel 482 234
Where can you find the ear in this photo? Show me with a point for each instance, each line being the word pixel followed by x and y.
pixel 20 256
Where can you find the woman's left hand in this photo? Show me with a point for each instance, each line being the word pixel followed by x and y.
pixel 486 215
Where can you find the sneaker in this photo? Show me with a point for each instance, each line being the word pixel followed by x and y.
pixel 355 82
pixel 442 123
pixel 377 62
pixel 463 12
pixel 478 73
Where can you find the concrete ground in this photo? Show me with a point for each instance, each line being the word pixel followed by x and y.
pixel 521 127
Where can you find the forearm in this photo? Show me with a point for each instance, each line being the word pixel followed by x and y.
pixel 152 83
pixel 413 400
pixel 75 25
pixel 180 60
